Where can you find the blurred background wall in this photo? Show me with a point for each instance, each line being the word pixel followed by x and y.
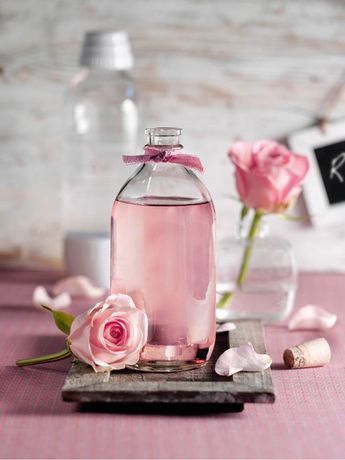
pixel 222 70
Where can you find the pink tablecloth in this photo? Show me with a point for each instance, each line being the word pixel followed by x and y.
pixel 307 420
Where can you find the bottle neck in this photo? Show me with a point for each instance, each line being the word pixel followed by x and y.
pixel 162 168
pixel 163 147
pixel 163 137
pixel 90 77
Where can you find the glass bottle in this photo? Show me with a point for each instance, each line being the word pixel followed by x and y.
pixel 101 124
pixel 163 256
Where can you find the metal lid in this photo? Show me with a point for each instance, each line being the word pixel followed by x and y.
pixel 106 50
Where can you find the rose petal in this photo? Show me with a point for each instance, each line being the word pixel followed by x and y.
pixel 256 190
pixel 62 300
pixel 240 154
pixel 312 317
pixel 243 358
pixel 299 165
pixel 224 327
pixel 79 343
pixel 40 296
pixel 79 286
pixel 120 300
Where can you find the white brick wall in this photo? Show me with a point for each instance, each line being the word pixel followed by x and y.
pixel 219 69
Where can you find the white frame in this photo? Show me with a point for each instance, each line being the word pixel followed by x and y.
pixel 321 212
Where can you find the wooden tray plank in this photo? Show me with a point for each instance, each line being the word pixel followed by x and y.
pixel 199 386
pixel 260 384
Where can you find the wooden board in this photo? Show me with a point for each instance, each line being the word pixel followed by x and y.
pixel 200 386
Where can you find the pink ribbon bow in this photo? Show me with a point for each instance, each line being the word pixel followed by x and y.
pixel 159 155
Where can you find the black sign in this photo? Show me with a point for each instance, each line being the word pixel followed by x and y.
pixel 331 161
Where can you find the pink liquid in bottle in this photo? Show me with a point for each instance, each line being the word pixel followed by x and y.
pixel 163 257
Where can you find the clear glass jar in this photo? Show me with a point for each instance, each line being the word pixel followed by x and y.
pixel 163 256
pixel 268 289
pixel 101 124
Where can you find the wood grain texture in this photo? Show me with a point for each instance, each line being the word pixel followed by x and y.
pixel 199 386
pixel 222 70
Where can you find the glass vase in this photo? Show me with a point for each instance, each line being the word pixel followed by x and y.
pixel 267 289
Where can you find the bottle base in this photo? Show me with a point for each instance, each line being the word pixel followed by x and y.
pixel 171 358
pixel 166 366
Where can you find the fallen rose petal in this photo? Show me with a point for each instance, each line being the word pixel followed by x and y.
pixel 62 300
pixel 78 286
pixel 40 296
pixel 224 327
pixel 243 358
pixel 312 317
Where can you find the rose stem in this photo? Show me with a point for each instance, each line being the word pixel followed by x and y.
pixel 45 359
pixel 255 225
pixel 249 247
pixel 225 299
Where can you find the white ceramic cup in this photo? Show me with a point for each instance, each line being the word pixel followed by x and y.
pixel 88 254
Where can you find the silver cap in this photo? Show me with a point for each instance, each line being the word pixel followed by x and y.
pixel 106 50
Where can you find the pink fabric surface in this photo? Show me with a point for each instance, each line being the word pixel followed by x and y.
pixel 307 420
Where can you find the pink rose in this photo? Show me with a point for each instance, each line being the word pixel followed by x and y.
pixel 109 335
pixel 268 175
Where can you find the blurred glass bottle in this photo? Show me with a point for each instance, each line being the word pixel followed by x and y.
pixel 101 118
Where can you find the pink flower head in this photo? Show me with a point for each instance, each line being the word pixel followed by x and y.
pixel 268 175
pixel 110 335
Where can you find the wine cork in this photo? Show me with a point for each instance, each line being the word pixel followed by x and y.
pixel 309 354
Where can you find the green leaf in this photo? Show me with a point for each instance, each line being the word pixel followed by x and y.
pixel 294 218
pixel 62 319
pixel 233 197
